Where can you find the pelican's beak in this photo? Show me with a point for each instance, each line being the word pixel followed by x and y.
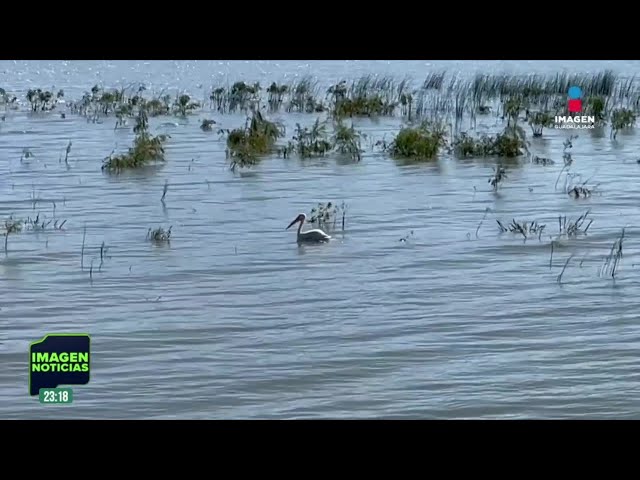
pixel 292 223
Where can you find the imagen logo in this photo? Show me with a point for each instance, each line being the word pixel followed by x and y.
pixel 59 359
pixel 574 107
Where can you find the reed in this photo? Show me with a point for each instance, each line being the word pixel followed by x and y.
pixel 66 154
pixel 84 238
pixel 559 278
pixel 41 224
pixel 573 228
pixel 612 261
pixel 486 212
pixel 326 215
pixel 524 228
pixel 165 189
pixel 11 226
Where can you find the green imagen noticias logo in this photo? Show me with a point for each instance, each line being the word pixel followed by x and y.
pixel 59 359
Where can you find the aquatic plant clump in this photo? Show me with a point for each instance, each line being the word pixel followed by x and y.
pixel 539 121
pixel 420 143
pixel 510 143
pixel 146 149
pixel 183 105
pixel 347 141
pixel 315 141
pixel 257 138
pixel 310 142
pixel 621 118
pixel 43 100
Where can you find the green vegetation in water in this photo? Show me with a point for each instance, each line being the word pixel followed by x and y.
pixel 347 141
pixel 276 96
pixel 239 97
pixel 309 142
pixel 326 215
pixel 368 97
pixel 315 141
pixel 418 143
pixel 246 145
pixel 146 149
pixel 126 103
pixel 43 100
pixel 183 105
pixel 510 143
pixel 539 121
pixel 621 118
pixel 597 106
pixel 159 235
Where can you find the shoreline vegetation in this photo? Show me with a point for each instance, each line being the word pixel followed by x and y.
pixel 433 114
pixel 437 115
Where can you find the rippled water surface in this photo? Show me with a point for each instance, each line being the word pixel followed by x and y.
pixel 234 320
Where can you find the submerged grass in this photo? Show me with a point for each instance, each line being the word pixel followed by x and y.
pixel 511 143
pixel 146 149
pixel 316 141
pixel 422 142
pixel 257 138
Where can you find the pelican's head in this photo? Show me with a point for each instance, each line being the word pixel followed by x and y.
pixel 300 218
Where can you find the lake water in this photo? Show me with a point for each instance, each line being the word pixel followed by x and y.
pixel 234 320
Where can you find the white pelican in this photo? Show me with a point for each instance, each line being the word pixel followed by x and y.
pixel 315 235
